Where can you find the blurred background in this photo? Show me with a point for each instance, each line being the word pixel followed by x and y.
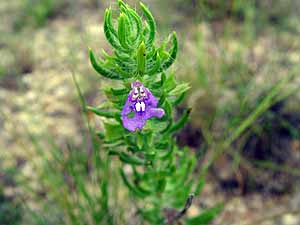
pixel 241 58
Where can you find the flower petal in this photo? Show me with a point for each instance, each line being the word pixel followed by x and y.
pixel 151 99
pixel 137 121
pixel 155 112
pixel 127 107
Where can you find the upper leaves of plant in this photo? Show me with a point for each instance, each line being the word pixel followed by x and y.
pixel 133 43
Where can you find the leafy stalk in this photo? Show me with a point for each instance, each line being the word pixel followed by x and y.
pixel 161 173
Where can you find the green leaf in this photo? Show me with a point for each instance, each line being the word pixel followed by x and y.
pixel 172 54
pixel 179 99
pixel 205 217
pixel 162 99
pixel 123 31
pixel 132 188
pixel 141 58
pixel 117 92
pixel 113 131
pixel 181 88
pixel 163 78
pixel 181 122
pixel 161 145
pixel 155 125
pixel 126 158
pixel 140 140
pixel 109 31
pixel 151 23
pixel 138 26
pixel 135 35
pixel 169 153
pixel 155 85
pixel 101 69
pixel 168 108
pixel 154 67
pixel 116 96
pixel 170 83
pixel 127 66
pixel 117 102
pixel 168 127
pixel 122 5
pixel 101 112
pixel 113 144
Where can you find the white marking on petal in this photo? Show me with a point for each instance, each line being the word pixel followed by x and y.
pixel 143 106
pixel 138 107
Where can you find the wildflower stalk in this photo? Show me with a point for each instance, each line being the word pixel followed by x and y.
pixel 140 126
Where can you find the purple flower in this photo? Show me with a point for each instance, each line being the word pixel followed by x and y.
pixel 140 106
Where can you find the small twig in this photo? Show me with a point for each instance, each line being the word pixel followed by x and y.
pixel 181 213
